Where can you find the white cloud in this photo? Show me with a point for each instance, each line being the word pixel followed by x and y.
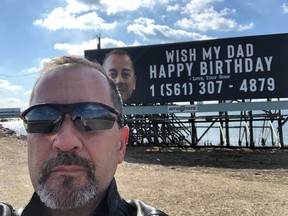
pixel 73 49
pixel 75 15
pixel 166 1
pixel 113 7
pixel 246 27
pixel 60 19
pixel 147 29
pixel 202 16
pixel 28 93
pixel 9 98
pixel 199 15
pixel 110 43
pixel 37 69
pixel 74 6
pixel 13 100
pixel 5 85
pixel 78 49
pixel 284 8
pixel 136 43
pixel 33 70
pixel 13 103
pixel 175 7
pixel 80 14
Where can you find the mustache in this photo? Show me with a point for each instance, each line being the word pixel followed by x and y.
pixel 66 158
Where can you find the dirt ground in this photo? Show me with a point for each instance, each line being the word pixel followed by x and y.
pixel 186 182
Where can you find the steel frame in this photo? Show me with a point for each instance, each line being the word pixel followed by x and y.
pixel 154 125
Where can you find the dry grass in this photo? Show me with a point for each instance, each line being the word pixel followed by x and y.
pixel 180 182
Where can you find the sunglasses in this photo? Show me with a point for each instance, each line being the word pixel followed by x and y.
pixel 86 116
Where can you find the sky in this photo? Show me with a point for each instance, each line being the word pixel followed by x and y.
pixel 34 31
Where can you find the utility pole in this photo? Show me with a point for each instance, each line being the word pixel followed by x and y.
pixel 99 41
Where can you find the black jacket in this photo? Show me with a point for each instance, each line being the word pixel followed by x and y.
pixel 112 205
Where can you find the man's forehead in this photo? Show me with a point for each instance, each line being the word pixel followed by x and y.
pixel 71 81
pixel 73 71
pixel 118 57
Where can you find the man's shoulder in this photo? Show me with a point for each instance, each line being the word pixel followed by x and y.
pixel 145 209
pixel 6 209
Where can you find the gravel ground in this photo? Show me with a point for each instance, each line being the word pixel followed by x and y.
pixel 205 181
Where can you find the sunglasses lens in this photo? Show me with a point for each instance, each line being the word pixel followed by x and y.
pixel 47 118
pixel 92 117
pixel 42 119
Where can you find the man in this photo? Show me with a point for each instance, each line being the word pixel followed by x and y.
pixel 120 68
pixel 76 139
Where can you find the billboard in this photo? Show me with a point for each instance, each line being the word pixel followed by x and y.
pixel 220 69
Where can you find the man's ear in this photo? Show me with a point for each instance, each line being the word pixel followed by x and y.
pixel 123 141
pixel 135 82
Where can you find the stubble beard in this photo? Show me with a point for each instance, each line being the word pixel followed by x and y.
pixel 64 193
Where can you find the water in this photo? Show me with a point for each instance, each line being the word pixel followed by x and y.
pixel 270 133
pixel 15 125
pixel 211 138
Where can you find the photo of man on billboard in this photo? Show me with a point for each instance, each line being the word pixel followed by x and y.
pixel 120 69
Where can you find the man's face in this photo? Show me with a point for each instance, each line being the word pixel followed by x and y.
pixel 98 152
pixel 119 68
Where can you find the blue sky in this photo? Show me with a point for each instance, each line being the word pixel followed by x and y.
pixel 34 31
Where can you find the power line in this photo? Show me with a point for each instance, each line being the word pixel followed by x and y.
pixel 28 74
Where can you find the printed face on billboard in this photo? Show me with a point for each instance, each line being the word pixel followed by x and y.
pixel 120 69
pixel 223 69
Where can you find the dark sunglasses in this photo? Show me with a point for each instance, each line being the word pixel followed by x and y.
pixel 86 116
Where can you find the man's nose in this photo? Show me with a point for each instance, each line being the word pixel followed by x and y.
pixel 68 137
pixel 119 79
